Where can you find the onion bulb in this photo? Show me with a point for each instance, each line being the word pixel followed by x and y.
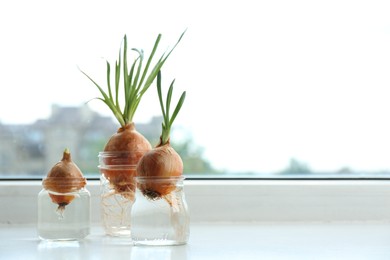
pixel 160 163
pixel 163 162
pixel 63 179
pixel 122 153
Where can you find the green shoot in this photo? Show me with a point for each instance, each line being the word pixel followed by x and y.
pixel 167 119
pixel 136 80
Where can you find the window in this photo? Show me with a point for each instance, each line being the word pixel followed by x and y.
pixel 282 89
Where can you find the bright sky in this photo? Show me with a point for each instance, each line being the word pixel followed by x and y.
pixel 266 81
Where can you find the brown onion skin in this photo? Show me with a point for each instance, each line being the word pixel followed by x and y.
pixel 64 177
pixel 126 139
pixel 163 161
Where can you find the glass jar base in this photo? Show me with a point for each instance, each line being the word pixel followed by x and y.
pixel 58 235
pixel 60 239
pixel 158 242
pixel 118 232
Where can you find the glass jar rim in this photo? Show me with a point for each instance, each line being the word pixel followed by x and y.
pixel 119 160
pixel 159 178
pixel 118 167
pixel 65 182
pixel 116 153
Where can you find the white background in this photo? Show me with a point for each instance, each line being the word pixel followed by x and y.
pixel 266 81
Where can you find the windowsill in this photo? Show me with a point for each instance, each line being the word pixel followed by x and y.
pixel 239 201
pixel 216 241
pixel 229 220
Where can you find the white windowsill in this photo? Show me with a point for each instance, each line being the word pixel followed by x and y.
pixel 228 241
pixel 239 201
pixel 229 220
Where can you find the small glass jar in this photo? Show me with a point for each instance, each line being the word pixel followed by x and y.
pixel 160 213
pixel 64 216
pixel 117 190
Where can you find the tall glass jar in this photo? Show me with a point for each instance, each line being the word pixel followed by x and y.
pixel 117 181
pixel 64 216
pixel 160 213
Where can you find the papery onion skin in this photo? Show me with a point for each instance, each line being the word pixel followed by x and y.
pixel 127 138
pixel 64 177
pixel 161 162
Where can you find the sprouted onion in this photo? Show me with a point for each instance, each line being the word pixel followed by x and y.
pixel 136 80
pixel 163 161
pixel 63 180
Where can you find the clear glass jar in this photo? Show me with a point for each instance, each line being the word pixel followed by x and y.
pixel 64 216
pixel 117 181
pixel 160 213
